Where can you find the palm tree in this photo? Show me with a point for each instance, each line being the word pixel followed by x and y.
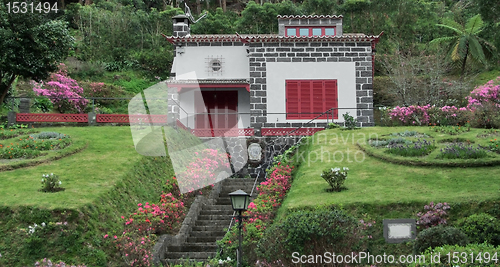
pixel 465 42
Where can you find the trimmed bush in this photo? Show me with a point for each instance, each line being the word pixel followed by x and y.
pixel 439 236
pixel 481 228
pixel 309 232
pixel 48 135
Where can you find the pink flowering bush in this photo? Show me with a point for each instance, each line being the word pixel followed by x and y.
pixel 203 171
pixel 484 101
pixel 141 228
pixel 435 215
pixel 481 111
pixel 64 92
pixel 412 115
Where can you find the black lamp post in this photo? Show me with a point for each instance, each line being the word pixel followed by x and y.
pixel 240 201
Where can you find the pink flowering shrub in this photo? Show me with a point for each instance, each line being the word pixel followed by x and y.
pixel 141 228
pixel 203 171
pixel 412 115
pixel 484 101
pixel 435 215
pixel 64 92
pixel 481 111
pixel 487 93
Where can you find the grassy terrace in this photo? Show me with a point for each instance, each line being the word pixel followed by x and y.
pixel 374 181
pixel 86 175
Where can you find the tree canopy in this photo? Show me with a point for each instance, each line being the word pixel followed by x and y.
pixel 31 46
pixel 465 42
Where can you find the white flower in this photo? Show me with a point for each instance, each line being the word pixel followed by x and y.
pixel 43 224
pixel 42 180
pixel 60 182
pixel 228 258
pixel 51 174
pixel 221 262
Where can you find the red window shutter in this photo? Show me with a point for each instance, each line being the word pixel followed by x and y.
pixel 331 97
pixel 318 94
pixel 310 98
pixel 305 99
pixel 292 99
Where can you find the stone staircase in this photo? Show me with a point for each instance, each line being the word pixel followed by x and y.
pixel 214 216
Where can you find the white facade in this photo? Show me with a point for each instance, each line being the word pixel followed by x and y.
pixel 279 72
pixel 198 59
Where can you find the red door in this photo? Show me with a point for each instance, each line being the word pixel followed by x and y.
pixel 222 107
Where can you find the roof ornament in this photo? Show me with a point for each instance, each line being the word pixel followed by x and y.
pixel 187 10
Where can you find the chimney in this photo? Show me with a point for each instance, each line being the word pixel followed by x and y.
pixel 181 25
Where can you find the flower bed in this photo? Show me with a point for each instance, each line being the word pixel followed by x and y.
pixel 31 147
pixel 458 150
pixel 415 149
pixel 462 151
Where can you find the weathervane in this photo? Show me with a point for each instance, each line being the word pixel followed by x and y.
pixel 187 10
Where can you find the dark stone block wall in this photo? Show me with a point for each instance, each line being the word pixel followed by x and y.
pixel 261 53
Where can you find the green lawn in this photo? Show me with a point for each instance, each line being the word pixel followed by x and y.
pixel 85 175
pixel 377 182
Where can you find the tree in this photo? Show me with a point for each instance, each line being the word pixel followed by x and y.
pixel 31 45
pixel 465 42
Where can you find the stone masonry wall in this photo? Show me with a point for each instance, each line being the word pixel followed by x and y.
pixel 261 53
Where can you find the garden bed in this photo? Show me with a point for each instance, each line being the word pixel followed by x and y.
pixel 438 150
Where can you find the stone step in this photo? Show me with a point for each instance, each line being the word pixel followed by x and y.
pixel 217 207
pixel 194 247
pixel 175 256
pixel 206 239
pixel 216 228
pixel 226 191
pixel 228 212
pixel 212 222
pixel 232 182
pixel 223 201
pixel 207 233
pixel 214 217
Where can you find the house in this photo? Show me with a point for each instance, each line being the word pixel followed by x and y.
pixel 270 84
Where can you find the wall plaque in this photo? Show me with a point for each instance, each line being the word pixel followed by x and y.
pixel 399 230
pixel 254 152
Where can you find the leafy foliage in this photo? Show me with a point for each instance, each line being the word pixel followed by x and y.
pixel 438 236
pixel 310 232
pixel 335 177
pixel 466 41
pixel 349 121
pixel 31 45
pixel 51 183
pixel 481 228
